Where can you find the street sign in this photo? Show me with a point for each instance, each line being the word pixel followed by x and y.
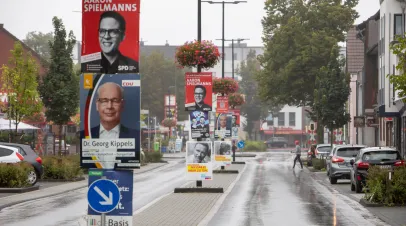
pixel 240 144
pixel 103 196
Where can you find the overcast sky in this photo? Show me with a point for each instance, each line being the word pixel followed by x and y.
pixel 161 20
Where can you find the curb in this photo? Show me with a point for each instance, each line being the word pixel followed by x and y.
pixel 226 171
pixel 19 190
pixel 74 189
pixel 367 203
pixel 62 180
pixel 199 190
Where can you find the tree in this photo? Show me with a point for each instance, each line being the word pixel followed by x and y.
pixel 19 80
pixel 59 89
pixel 331 93
pixel 39 42
pixel 399 81
pixel 253 109
pixel 158 74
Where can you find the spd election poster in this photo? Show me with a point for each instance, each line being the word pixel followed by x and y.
pixel 198 91
pixel 110 36
pixel 199 157
pixel 222 104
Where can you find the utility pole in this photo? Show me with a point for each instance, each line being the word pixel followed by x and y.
pixel 232 51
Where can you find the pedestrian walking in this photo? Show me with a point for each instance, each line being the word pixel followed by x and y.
pixel 298 152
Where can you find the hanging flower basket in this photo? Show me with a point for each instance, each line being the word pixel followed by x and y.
pixel 225 85
pixel 236 99
pixel 168 122
pixel 193 54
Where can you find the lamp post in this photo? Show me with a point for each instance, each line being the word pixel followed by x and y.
pixel 232 51
pixel 222 46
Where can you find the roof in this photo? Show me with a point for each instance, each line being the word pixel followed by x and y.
pixel 368 149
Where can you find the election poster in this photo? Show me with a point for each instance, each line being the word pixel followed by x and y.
pixel 123 213
pixel 199 124
pixel 223 125
pixel 110 121
pixel 110 36
pixel 198 91
pixel 222 104
pixel 199 156
pixel 235 122
pixel 223 152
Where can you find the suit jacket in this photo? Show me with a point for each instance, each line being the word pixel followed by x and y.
pixel 122 64
pixel 124 133
pixel 195 107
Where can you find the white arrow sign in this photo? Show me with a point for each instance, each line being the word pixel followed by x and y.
pixel 107 200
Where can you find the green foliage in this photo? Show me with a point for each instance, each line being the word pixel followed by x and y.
pixel 298 37
pixel 318 164
pixel 254 146
pixel 60 86
pixel 65 168
pixel 399 81
pixel 19 79
pixel 159 73
pixel 39 42
pixel 385 191
pixel 153 156
pixel 14 175
pixel 331 92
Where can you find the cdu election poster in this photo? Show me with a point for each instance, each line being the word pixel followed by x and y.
pixel 198 91
pixel 199 157
pixel 110 36
pixel 110 121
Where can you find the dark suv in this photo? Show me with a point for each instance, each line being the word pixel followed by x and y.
pixel 279 142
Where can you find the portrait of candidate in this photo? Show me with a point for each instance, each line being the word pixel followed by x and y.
pixel 199 153
pixel 110 105
pixel 112 27
pixel 234 121
pixel 222 122
pixel 199 95
pixel 224 149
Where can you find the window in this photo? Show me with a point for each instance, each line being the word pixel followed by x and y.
pixel 398 24
pixel 292 119
pixel 5 152
pixel 269 120
pixel 71 129
pixel 281 119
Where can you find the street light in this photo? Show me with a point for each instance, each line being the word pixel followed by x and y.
pixel 222 46
pixel 232 51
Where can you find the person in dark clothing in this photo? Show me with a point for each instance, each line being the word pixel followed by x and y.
pixel 298 153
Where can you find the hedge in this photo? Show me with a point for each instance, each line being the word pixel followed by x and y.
pixel 319 164
pixel 153 156
pixel 64 167
pixel 14 175
pixel 254 146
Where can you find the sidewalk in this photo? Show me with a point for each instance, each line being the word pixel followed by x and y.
pixel 174 155
pixel 186 208
pixel 56 190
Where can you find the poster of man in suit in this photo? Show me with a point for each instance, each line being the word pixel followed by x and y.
pixel 198 91
pixel 110 121
pixel 200 124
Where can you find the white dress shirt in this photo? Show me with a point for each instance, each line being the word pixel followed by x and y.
pixel 108 161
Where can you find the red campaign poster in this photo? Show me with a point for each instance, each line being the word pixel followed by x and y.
pixel 222 104
pixel 198 91
pixel 235 119
pixel 110 36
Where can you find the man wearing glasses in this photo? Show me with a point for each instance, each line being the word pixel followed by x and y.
pixel 110 105
pixel 112 27
pixel 199 95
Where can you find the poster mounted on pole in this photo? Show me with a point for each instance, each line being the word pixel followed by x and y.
pixel 223 152
pixel 222 104
pixel 110 121
pixel 110 36
pixel 199 157
pixel 199 124
pixel 222 127
pixel 198 91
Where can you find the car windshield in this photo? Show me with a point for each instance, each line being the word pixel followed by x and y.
pixel 380 156
pixel 348 152
pixel 324 149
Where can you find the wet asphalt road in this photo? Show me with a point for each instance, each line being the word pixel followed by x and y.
pixel 272 193
pixel 70 209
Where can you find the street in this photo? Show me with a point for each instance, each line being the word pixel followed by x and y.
pixel 272 193
pixel 70 209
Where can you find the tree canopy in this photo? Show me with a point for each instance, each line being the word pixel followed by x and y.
pixel 298 37
pixel 157 75
pixel 39 42
pixel 399 80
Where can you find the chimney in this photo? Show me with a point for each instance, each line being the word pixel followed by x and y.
pixel 1 25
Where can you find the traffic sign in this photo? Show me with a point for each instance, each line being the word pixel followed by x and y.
pixel 240 144
pixel 103 196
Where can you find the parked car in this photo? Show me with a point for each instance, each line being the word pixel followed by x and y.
pixel 384 157
pixel 13 153
pixel 279 142
pixel 323 150
pixel 338 162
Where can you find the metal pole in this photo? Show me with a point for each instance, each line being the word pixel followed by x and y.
pixel 222 47
pixel 103 215
pixel 149 134
pixel 232 58
pixel 199 26
pixel 155 129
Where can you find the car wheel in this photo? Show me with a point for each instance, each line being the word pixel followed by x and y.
pixel 352 186
pixel 333 180
pixel 32 177
pixel 358 187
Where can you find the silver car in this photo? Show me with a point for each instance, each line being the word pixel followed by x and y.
pixel 338 162
pixel 323 150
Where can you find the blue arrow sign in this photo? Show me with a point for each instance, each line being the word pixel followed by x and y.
pixel 103 196
pixel 240 144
